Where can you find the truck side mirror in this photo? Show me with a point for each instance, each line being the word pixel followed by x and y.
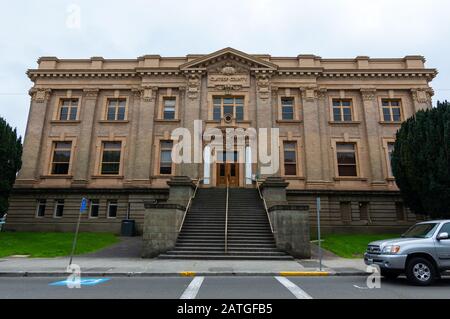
pixel 442 236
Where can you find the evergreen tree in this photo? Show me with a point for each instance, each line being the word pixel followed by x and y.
pixel 421 161
pixel 10 161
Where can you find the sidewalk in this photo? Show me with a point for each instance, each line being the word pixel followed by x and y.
pixel 94 266
pixel 122 259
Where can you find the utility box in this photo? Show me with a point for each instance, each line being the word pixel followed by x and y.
pixel 128 228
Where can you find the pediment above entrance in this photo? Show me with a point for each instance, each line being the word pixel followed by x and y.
pixel 234 60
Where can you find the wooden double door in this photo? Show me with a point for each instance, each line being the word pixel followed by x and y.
pixel 228 169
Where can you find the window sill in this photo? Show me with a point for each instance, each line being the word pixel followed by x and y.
pixel 113 121
pixel 56 176
pixel 163 176
pixel 350 178
pixel 344 122
pixel 390 179
pixel 167 121
pixel 289 121
pixel 107 176
pixel 62 122
pixel 292 177
pixel 390 123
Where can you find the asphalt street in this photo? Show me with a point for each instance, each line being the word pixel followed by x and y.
pixel 229 287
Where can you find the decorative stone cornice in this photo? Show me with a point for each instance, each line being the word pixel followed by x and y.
pixel 147 93
pixel 193 85
pixel 91 93
pixel 263 85
pixel 40 95
pixel 309 93
pixel 321 93
pixel 368 94
pixel 422 95
pixel 429 74
pixel 34 74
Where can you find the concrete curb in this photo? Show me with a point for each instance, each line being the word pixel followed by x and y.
pixel 183 274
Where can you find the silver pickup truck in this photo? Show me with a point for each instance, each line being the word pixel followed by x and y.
pixel 422 253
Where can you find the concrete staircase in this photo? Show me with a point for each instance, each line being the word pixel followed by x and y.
pixel 203 233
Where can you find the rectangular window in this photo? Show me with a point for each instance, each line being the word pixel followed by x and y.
pixel 94 208
pixel 290 158
pixel 61 158
pixel 116 109
pixel 233 106
pixel 239 107
pixel 346 159
pixel 68 109
pixel 391 110
pixel 287 108
pixel 346 211
pixel 59 208
pixel 40 209
pixel 165 159
pixel 400 210
pixel 112 208
pixel 342 110
pixel 111 158
pixel 364 210
pixel 390 147
pixel 169 108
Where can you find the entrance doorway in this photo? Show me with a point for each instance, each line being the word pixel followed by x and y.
pixel 228 169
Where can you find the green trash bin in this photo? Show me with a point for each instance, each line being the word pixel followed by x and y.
pixel 128 228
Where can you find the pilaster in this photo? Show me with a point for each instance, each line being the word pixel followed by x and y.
pixel 144 111
pixel 372 118
pixel 33 136
pixel 312 134
pixel 82 164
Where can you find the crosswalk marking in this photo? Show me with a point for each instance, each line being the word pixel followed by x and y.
pixel 293 288
pixel 193 288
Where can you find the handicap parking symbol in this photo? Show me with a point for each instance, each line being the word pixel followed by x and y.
pixel 82 282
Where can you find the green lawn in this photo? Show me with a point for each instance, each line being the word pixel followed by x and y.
pixel 351 245
pixel 51 244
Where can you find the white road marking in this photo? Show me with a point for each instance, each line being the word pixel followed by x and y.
pixel 193 288
pixel 298 292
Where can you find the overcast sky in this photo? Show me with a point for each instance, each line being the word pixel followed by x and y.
pixel 128 29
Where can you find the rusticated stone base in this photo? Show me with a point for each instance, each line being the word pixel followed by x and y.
pixel 291 229
pixel 160 230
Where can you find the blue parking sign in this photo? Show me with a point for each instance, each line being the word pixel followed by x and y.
pixel 83 206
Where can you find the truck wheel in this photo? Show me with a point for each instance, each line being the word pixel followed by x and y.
pixel 389 274
pixel 420 272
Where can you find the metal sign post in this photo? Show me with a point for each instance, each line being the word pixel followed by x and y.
pixel 318 232
pixel 83 208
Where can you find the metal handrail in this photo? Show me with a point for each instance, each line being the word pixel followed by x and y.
pixel 226 218
pixel 265 205
pixel 189 203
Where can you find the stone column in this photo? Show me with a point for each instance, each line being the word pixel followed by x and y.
pixel 33 136
pixel 312 136
pixel 372 118
pixel 144 104
pixel 192 101
pixel 422 98
pixel 82 164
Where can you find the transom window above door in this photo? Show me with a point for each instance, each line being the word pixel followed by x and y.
pixel 228 106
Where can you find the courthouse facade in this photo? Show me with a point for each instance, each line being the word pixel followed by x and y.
pixel 101 128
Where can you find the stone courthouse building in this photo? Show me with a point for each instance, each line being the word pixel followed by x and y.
pixel 101 128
